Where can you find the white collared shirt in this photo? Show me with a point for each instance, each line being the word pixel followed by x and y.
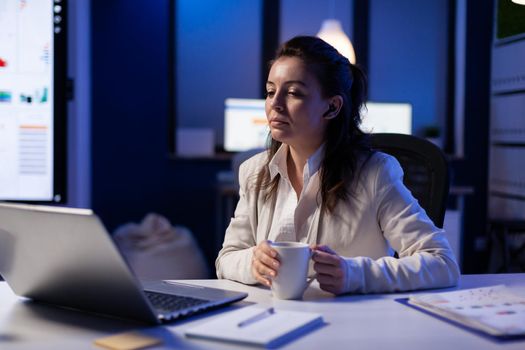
pixel 292 221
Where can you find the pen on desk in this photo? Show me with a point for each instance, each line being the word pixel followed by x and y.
pixel 260 316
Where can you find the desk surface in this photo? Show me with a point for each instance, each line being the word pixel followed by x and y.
pixel 352 322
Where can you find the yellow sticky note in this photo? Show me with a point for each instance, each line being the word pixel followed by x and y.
pixel 127 341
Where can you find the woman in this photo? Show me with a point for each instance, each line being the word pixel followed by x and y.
pixel 321 184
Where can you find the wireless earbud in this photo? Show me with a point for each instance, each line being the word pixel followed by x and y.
pixel 331 108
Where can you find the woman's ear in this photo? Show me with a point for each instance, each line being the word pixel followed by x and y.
pixel 334 107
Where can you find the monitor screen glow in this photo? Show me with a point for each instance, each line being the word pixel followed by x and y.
pixel 29 32
pixel 379 117
pixel 246 127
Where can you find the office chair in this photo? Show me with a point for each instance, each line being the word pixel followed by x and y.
pixel 425 170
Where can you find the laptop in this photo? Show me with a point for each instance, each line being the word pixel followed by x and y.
pixel 65 257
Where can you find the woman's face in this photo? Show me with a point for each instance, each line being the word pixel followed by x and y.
pixel 294 105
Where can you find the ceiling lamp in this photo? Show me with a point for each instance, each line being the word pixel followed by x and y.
pixel 332 32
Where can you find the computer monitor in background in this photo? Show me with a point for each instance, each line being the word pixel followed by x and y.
pixel 246 127
pixel 379 117
pixel 33 68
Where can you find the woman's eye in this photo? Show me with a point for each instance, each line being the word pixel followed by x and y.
pixel 294 93
pixel 270 93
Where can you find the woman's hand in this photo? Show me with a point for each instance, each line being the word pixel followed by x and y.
pixel 330 268
pixel 264 263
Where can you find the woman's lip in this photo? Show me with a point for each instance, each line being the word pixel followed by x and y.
pixel 277 122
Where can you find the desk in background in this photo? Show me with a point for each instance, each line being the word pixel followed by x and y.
pixel 373 321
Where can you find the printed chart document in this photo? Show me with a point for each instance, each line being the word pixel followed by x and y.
pixel 494 310
pixel 257 325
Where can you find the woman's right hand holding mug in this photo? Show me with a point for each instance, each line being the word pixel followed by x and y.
pixel 264 263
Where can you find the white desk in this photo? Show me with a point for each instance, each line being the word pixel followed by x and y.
pixel 353 322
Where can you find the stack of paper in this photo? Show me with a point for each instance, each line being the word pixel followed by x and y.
pixel 256 325
pixel 494 310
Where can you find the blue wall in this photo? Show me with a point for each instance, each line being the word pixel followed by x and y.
pixel 218 56
pixel 408 57
pixel 132 171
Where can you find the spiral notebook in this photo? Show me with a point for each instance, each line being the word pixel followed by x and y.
pixel 257 325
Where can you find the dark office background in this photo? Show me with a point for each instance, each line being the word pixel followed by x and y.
pixel 133 111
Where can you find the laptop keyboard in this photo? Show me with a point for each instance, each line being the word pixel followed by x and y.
pixel 168 303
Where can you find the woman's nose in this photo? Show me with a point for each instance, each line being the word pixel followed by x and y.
pixel 278 108
pixel 277 104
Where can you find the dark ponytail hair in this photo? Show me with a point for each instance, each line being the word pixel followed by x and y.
pixel 343 139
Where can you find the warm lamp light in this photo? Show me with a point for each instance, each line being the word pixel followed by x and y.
pixel 332 32
pixel 521 2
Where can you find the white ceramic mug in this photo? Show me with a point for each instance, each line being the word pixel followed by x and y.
pixel 291 280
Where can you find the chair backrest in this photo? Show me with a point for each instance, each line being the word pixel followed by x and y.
pixel 239 158
pixel 425 170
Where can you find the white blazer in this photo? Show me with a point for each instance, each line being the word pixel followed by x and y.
pixel 381 217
